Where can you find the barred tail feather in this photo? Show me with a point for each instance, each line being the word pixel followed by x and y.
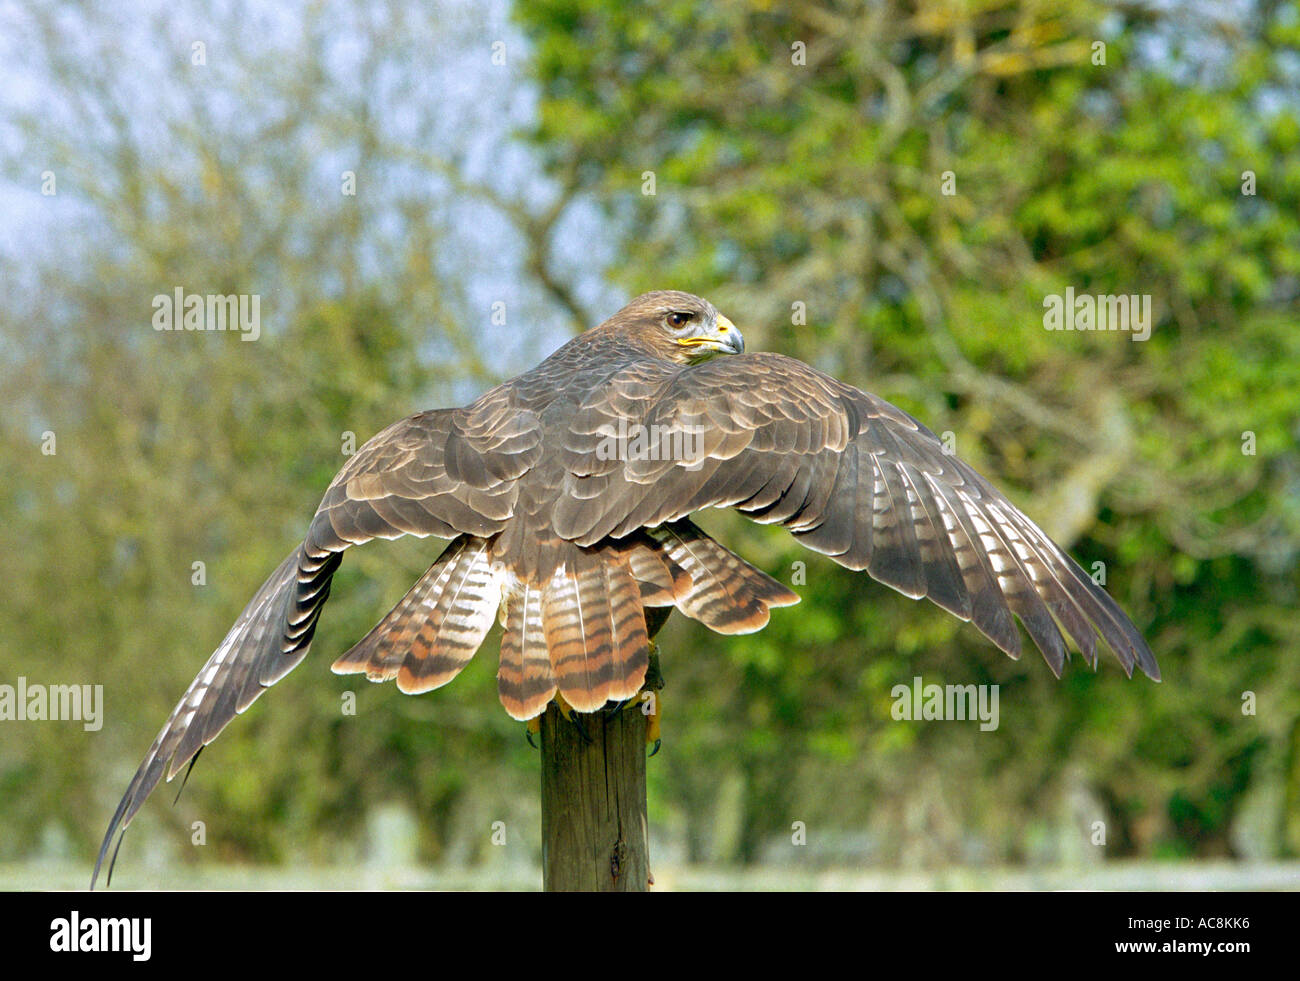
pixel 595 631
pixel 432 633
pixel 720 589
pixel 525 682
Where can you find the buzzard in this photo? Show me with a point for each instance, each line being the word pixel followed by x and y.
pixel 567 493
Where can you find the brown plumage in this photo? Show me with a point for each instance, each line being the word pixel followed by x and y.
pixel 567 492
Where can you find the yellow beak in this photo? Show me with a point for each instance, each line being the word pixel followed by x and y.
pixel 725 339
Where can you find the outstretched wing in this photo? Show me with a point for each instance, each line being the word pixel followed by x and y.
pixel 257 652
pixel 443 472
pixel 852 476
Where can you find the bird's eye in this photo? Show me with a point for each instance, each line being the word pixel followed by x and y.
pixel 679 319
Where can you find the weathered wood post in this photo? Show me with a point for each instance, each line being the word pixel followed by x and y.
pixel 594 802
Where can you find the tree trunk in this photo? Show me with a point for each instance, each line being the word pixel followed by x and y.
pixel 594 802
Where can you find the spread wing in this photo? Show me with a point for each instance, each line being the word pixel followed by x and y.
pixel 443 472
pixel 852 476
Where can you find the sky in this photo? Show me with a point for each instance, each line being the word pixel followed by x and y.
pixel 477 105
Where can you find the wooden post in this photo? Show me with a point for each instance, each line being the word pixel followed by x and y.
pixel 594 802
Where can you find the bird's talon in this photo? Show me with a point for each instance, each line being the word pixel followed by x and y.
pixel 582 730
pixel 531 728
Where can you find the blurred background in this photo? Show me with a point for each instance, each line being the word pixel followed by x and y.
pixel 430 198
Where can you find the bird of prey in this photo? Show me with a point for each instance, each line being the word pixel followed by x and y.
pixel 567 493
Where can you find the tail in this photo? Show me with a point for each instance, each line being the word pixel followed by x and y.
pixel 595 631
pixel 582 633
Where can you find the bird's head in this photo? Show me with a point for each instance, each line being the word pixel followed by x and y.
pixel 679 326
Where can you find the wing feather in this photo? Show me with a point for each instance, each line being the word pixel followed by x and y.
pixel 851 475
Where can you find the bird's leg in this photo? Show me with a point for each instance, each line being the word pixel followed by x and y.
pixel 650 704
pixel 655 618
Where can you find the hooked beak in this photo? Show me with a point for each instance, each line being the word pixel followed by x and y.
pixel 724 339
pixel 733 340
